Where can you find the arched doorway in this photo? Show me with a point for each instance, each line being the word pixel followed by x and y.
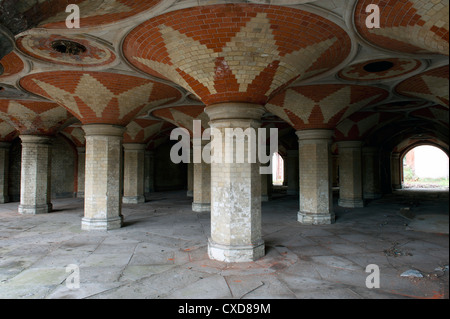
pixel 425 166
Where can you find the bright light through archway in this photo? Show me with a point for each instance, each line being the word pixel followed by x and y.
pixel 425 167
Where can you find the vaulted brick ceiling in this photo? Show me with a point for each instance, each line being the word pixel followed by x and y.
pixel 97 97
pixel 236 52
pixel 324 106
pixel 34 117
pixel 409 26
pixel 311 63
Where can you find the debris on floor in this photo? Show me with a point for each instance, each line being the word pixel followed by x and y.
pixel 412 273
pixel 394 251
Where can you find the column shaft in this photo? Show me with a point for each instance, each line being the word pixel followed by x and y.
pixel 133 173
pixel 316 196
pixel 149 172
pixel 293 172
pixel 371 173
pixel 235 187
pixel 4 169
pixel 35 181
pixel 201 182
pixel 396 171
pixel 103 182
pixel 350 174
pixel 81 171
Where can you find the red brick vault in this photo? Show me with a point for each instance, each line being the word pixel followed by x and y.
pixel 97 97
pixel 236 52
pixel 410 26
pixel 431 85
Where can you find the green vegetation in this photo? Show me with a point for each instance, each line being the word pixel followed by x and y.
pixel 412 181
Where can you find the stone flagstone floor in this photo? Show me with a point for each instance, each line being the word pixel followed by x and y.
pixel 161 252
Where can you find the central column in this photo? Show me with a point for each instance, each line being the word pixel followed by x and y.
pixel 35 175
pixel 315 167
pixel 133 173
pixel 235 187
pixel 350 174
pixel 201 182
pixel 103 181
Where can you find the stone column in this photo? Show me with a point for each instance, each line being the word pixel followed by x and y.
pixel 316 195
pixel 149 172
pixel 81 173
pixel 335 170
pixel 350 174
pixel 35 180
pixel 396 171
pixel 235 187
pixel 103 181
pixel 266 185
pixel 4 168
pixel 190 180
pixel 133 173
pixel 292 172
pixel 371 173
pixel 201 182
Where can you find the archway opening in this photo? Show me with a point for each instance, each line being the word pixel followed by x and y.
pixel 277 169
pixel 425 167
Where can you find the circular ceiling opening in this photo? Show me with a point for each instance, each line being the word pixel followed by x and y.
pixel 68 47
pixel 379 66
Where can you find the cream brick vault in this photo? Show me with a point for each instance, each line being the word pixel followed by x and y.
pixel 235 190
pixel 134 173
pixel 35 180
pixel 315 170
pixel 103 179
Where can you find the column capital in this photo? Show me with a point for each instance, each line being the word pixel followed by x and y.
pixel 5 145
pixel 370 149
pixel 103 130
pixel 314 134
pixel 134 146
pixel 292 153
pixel 349 144
pixel 233 110
pixel 36 139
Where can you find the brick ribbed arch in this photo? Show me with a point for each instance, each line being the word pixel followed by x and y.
pixel 236 52
pixel 409 26
pixel 322 106
pixel 34 117
pixel 100 97
pixel 431 85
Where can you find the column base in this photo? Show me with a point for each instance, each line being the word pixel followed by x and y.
pixel 201 207
pixel 35 209
pixel 101 224
pixel 264 198
pixel 79 195
pixel 351 203
pixel 315 219
pixel 397 186
pixel 231 254
pixel 133 199
pixel 4 199
pixel 190 194
pixel 372 195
